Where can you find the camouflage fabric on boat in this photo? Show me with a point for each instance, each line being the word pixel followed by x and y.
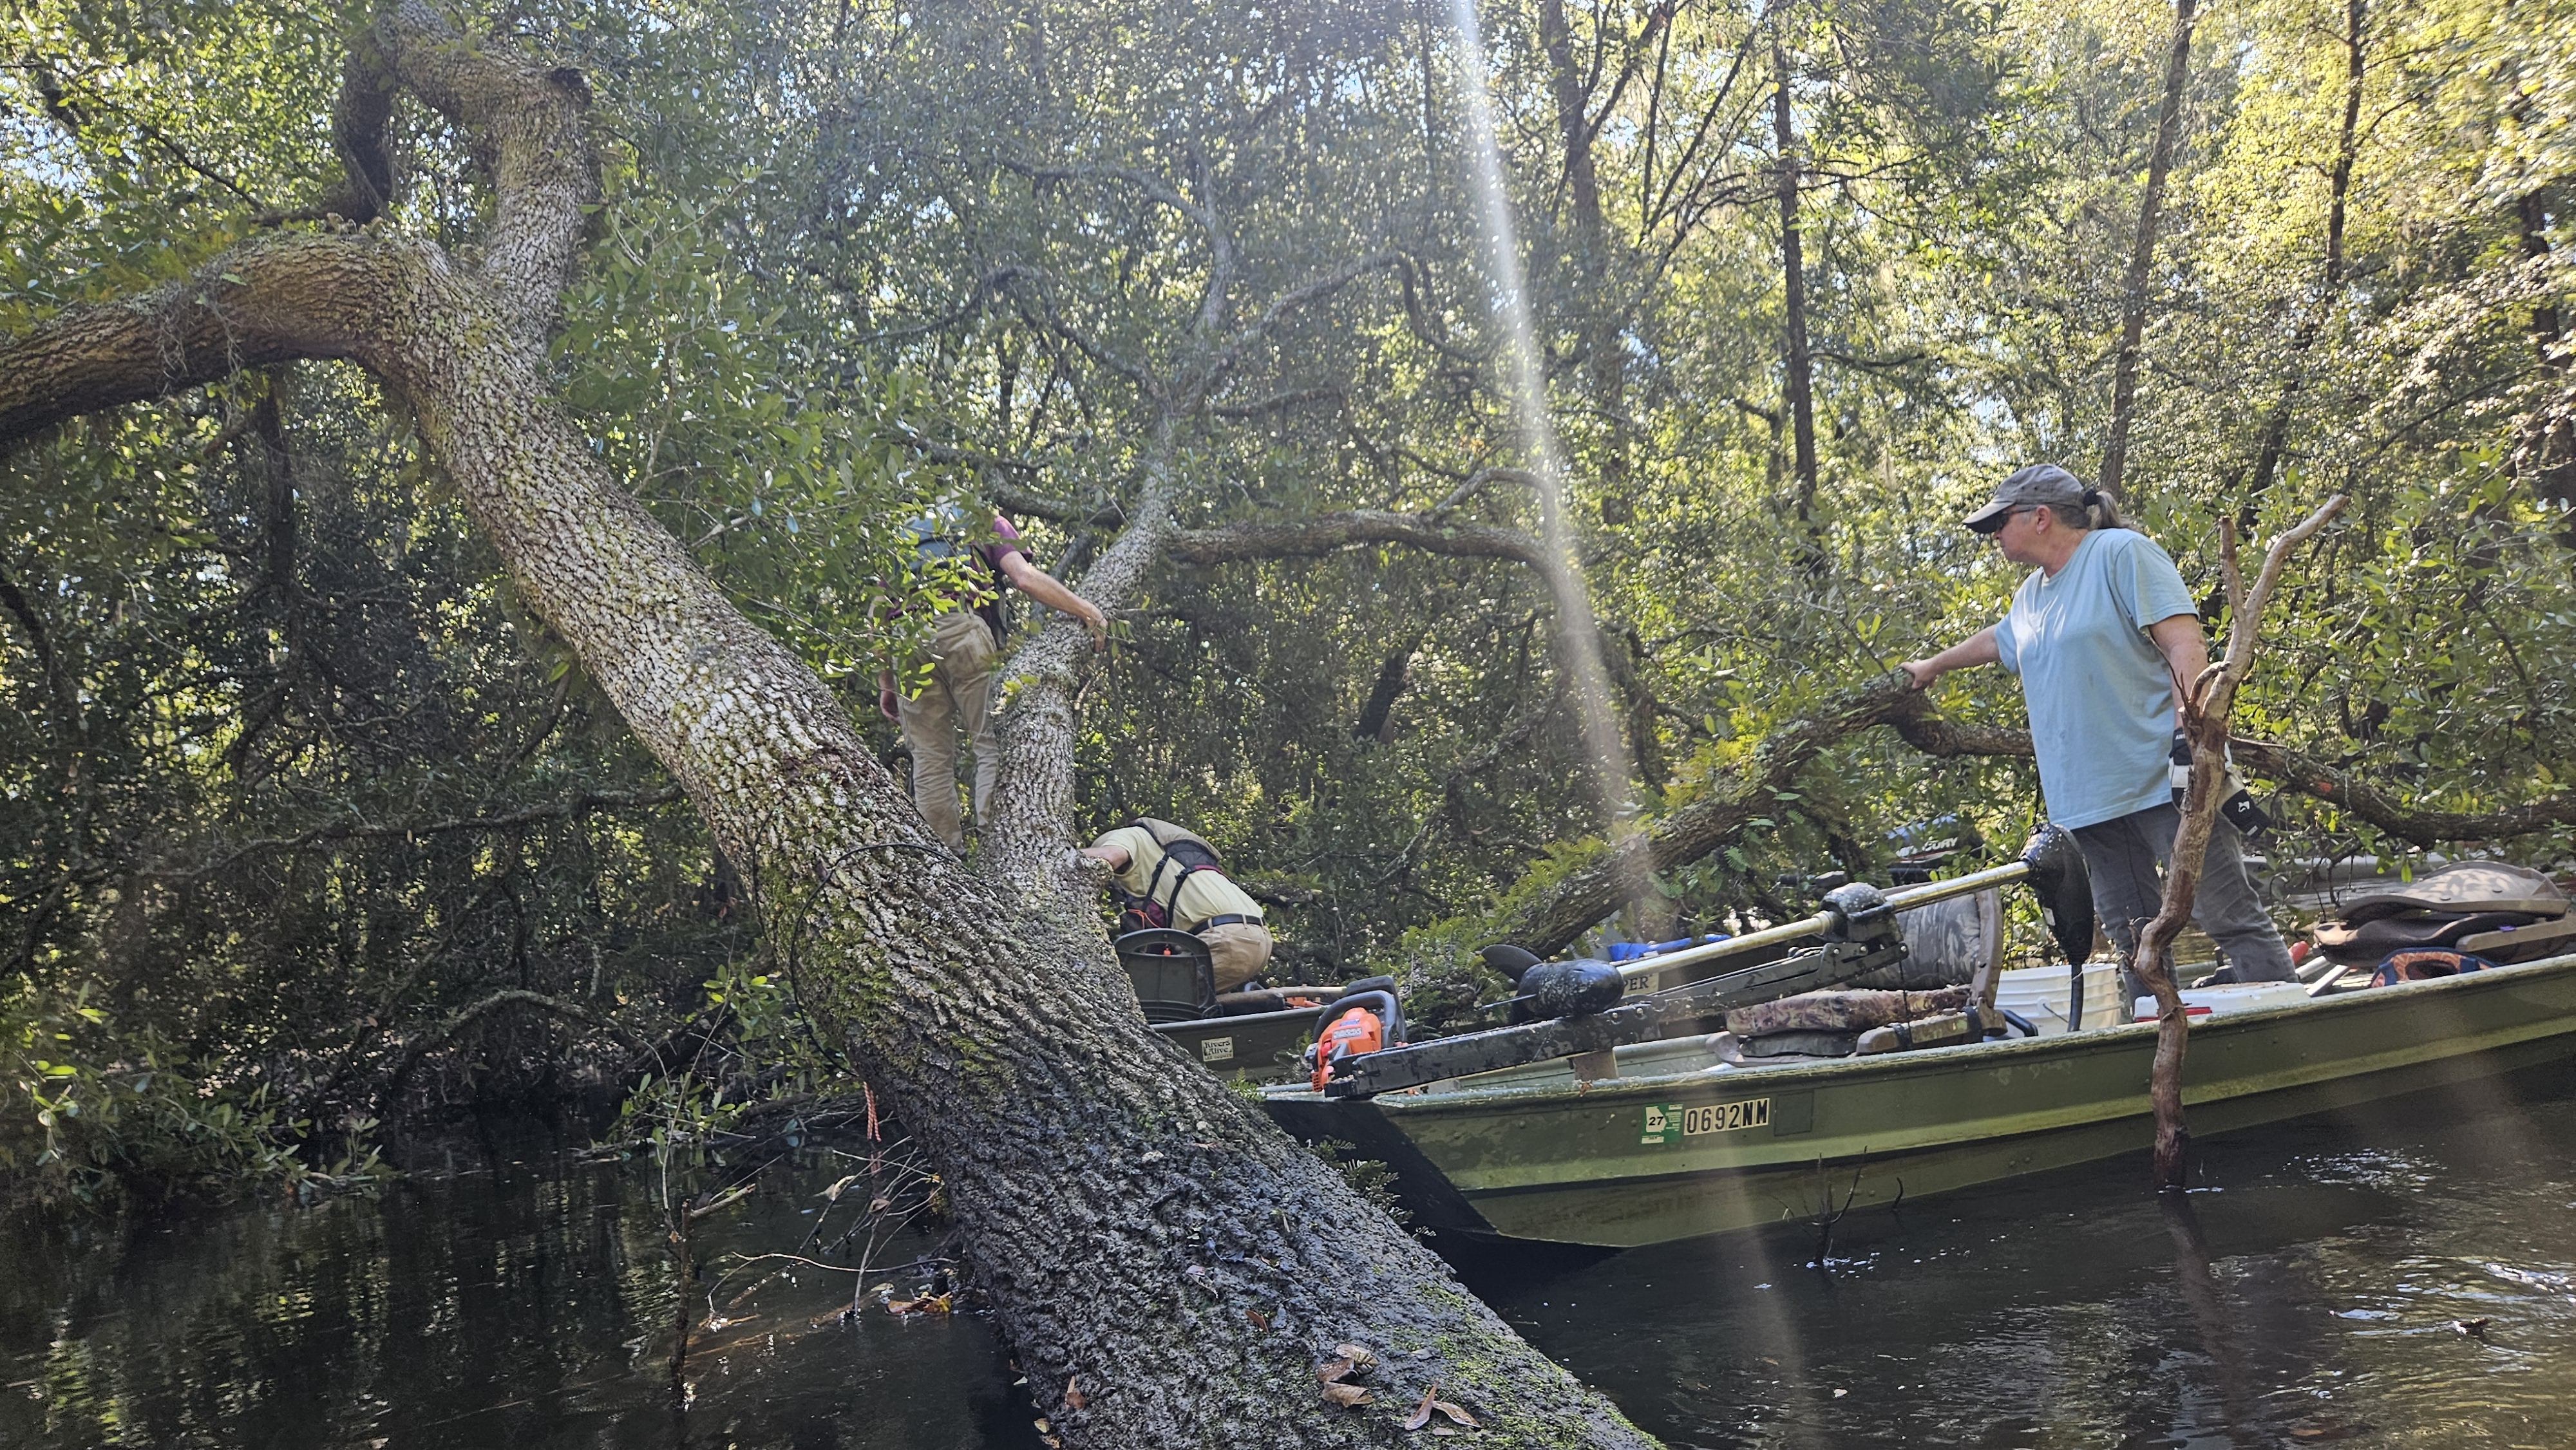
pixel 1842 1011
pixel 1946 943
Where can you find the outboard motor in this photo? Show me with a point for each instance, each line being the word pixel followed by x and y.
pixel 2064 886
pixel 1572 989
pixel 1555 989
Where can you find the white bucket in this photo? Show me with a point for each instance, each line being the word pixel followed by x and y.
pixel 2038 994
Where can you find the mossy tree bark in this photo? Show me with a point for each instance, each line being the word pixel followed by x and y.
pixel 1169 1267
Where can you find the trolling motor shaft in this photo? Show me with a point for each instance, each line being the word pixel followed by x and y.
pixel 1855 934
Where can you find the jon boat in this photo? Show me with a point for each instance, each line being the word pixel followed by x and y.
pixel 1672 1135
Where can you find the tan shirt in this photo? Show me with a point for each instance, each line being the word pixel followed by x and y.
pixel 1203 893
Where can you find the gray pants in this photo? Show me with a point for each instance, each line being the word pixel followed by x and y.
pixel 2126 856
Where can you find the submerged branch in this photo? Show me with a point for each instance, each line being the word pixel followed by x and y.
pixel 2207 703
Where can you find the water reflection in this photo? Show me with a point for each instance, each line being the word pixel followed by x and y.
pixel 2309 1293
pixel 528 1306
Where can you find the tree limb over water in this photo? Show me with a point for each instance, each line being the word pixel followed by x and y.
pixel 2293 771
pixel 1549 920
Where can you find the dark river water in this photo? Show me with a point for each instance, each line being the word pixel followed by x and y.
pixel 2308 1294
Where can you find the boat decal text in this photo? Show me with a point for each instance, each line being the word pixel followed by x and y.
pixel 1726 1117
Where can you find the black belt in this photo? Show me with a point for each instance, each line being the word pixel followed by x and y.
pixel 1228 920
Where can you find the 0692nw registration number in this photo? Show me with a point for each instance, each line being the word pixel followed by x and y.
pixel 1666 1121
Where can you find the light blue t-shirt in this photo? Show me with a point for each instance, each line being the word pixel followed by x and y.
pixel 2100 697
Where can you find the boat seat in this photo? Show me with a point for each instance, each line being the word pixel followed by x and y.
pixel 1174 977
pixel 2457 890
pixel 1272 999
pixel 2366 943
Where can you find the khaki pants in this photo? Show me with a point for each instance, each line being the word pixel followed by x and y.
pixel 961 679
pixel 1239 951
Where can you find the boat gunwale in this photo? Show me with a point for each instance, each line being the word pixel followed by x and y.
pixel 2123 1036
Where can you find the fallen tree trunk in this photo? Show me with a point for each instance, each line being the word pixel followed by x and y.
pixel 1168 1267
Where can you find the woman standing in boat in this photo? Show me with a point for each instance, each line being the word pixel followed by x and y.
pixel 2099 634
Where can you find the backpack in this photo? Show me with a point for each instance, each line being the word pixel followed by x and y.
pixel 941 547
pixel 1183 853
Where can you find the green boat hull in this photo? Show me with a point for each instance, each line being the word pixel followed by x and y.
pixel 1266 1047
pixel 1676 1146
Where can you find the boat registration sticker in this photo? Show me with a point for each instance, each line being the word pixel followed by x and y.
pixel 1216 1049
pixel 1667 1121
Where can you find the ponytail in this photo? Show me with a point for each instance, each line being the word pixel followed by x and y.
pixel 2101 511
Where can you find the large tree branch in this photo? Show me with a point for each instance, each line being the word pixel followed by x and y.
pixel 272 299
pixel 1680 836
pixel 530 137
pixel 2207 703
pixel 577 803
pixel 1330 533
pixel 2292 770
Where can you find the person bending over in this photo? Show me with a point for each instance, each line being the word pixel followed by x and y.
pixel 1166 876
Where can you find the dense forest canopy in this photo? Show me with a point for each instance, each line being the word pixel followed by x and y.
pixel 293 782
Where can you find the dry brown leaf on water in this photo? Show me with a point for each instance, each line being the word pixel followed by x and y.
pixel 1342 1394
pixel 1333 1369
pixel 1073 1393
pixel 1455 1413
pixel 1357 1354
pixel 1421 1415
